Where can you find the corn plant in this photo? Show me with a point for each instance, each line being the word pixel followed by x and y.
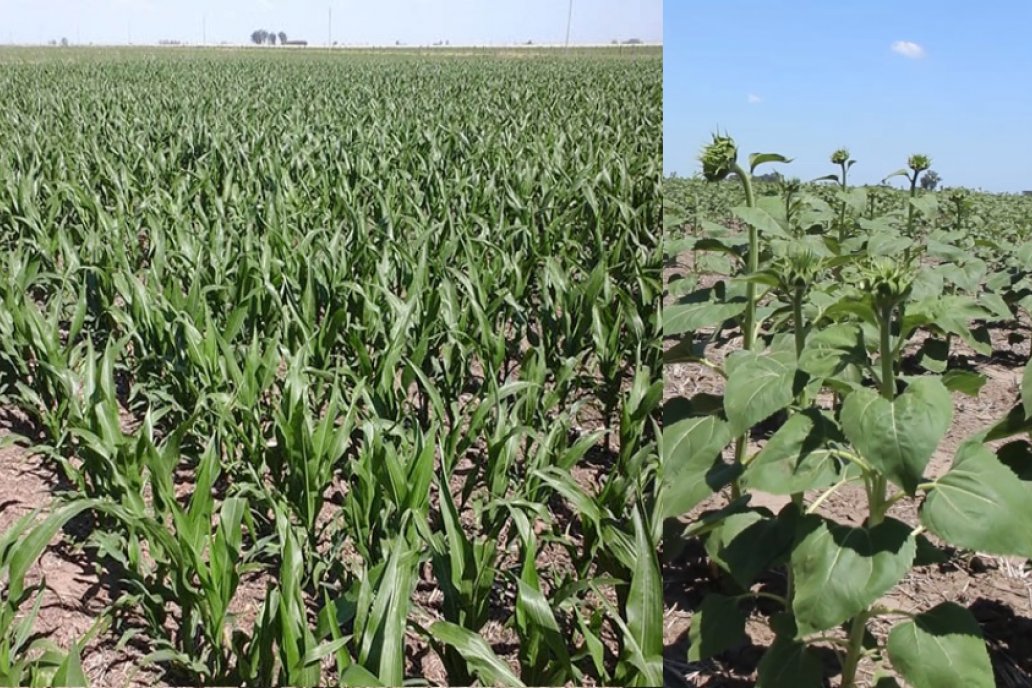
pixel 332 337
pixel 25 661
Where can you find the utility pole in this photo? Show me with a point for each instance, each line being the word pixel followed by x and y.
pixel 204 29
pixel 569 19
pixel 329 26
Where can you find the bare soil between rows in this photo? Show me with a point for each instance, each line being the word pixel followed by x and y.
pixel 997 590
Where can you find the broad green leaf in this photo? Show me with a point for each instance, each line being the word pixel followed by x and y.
pixel 832 350
pixel 933 355
pixel 758 385
pixel 701 309
pixel 789 664
pixel 757 159
pixel 687 350
pixel 747 544
pixel 1014 423
pixel 839 571
pixel 691 463
pixel 980 504
pixel 941 647
pixel 964 381
pixel 718 625
pixel 887 244
pixel 926 204
pixel 763 221
pixel 899 437
pixel 797 458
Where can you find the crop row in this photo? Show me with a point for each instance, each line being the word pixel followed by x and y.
pixel 375 337
pixel 833 317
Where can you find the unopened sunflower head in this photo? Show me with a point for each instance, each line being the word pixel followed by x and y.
pixel 889 282
pixel 918 162
pixel 840 157
pixel 798 270
pixel 958 197
pixel 792 186
pixel 718 158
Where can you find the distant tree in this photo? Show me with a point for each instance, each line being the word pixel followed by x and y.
pixel 64 42
pixel 930 180
pixel 634 41
pixel 259 36
pixel 282 37
pixel 271 37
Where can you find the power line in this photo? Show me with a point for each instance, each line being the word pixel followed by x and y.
pixel 569 19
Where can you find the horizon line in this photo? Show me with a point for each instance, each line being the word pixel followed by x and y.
pixel 231 44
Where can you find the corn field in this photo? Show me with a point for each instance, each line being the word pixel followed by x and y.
pixel 349 363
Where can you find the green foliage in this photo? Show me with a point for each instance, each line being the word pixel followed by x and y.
pixel 847 302
pixel 312 356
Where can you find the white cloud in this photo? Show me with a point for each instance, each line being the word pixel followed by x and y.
pixel 908 49
pixel 753 99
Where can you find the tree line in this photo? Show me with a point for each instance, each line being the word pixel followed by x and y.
pixel 263 37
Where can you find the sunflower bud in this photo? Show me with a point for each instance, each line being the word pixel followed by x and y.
pixel 888 282
pixel 919 163
pixel 718 158
pixel 792 186
pixel 840 156
pixel 798 270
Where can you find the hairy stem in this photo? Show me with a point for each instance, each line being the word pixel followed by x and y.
pixel 855 650
pixel 876 498
pixel 749 324
pixel 842 209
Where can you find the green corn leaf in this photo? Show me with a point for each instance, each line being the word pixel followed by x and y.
pixel 24 554
pixel 70 673
pixel 474 649
pixel 645 598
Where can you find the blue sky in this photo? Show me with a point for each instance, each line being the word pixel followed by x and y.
pixel 884 78
pixel 376 22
